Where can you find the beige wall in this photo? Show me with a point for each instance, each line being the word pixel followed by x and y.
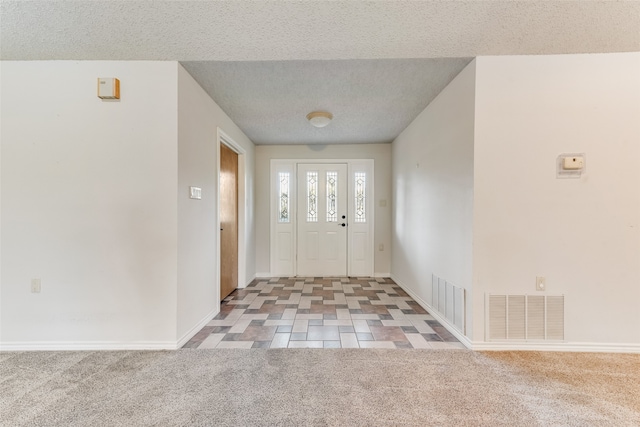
pixel 199 117
pixel 582 234
pixel 95 204
pixel 88 205
pixel 381 153
pixel 433 192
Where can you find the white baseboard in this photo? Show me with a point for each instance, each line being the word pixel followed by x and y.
pixel 521 346
pixel 444 322
pixel 563 346
pixel 262 276
pixel 269 275
pixel 196 328
pixel 250 280
pixel 106 345
pixel 244 285
pixel 86 345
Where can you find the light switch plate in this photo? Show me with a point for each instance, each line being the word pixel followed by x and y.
pixel 35 286
pixel 541 284
pixel 195 193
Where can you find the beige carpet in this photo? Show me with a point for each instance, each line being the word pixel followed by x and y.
pixel 602 382
pixel 318 387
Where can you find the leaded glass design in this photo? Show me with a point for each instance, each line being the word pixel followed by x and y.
pixel 312 196
pixel 283 196
pixel 332 202
pixel 361 210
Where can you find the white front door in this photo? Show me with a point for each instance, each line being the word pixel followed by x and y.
pixel 322 220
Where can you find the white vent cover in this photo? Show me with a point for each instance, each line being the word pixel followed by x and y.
pixel 525 317
pixel 449 301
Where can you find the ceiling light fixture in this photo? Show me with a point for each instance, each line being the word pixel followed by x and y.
pixel 319 119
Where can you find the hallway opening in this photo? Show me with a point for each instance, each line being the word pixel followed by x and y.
pixel 325 312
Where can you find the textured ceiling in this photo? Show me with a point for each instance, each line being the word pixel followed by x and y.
pixel 279 30
pixel 268 63
pixel 371 100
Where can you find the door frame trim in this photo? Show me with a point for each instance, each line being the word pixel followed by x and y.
pixel 292 165
pixel 223 138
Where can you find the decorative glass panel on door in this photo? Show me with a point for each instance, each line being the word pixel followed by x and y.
pixel 321 248
pixel 312 196
pixel 332 202
pixel 283 197
pixel 360 195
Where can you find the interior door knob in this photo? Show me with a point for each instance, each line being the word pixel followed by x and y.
pixel 343 224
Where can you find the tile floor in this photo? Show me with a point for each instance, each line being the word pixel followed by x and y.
pixel 322 313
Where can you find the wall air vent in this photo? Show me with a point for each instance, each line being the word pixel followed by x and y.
pixel 525 317
pixel 449 301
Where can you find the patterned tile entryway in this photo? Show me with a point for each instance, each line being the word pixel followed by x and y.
pixel 322 313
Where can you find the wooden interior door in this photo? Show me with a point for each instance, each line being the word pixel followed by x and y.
pixel 228 221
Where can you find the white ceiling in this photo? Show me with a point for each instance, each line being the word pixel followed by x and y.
pixel 371 100
pixel 375 65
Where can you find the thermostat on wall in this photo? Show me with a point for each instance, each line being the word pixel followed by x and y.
pixel 573 163
pixel 570 165
pixel 108 88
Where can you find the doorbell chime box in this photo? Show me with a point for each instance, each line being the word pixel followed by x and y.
pixel 108 88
